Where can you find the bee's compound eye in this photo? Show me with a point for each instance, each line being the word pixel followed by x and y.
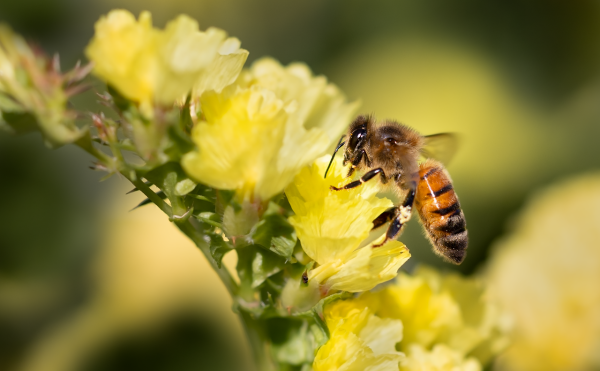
pixel 356 138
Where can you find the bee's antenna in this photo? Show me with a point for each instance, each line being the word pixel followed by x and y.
pixel 340 144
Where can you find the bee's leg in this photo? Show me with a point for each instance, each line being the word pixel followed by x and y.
pixel 384 217
pixel 368 176
pixel 356 161
pixel 401 216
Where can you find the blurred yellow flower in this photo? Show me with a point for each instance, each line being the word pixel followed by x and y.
pixel 359 340
pixel 443 309
pixel 445 322
pixel 150 66
pixel 440 358
pixel 332 225
pixel 258 133
pixel 545 274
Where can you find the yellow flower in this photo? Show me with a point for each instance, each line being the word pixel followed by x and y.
pixel 258 133
pixel 447 324
pixel 359 340
pixel 150 66
pixel 545 274
pixel 441 309
pixel 440 358
pixel 332 225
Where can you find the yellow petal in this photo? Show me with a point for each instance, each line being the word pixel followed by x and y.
pixel 364 269
pixel 185 53
pixel 224 68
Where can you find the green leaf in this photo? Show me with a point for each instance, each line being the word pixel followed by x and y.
pixel 240 223
pixel 185 117
pixel 171 178
pixel 293 341
pixel 275 233
pixel 283 246
pixel 255 265
pixel 135 189
pixel 166 177
pixel 127 145
pixel 276 282
pixel 169 182
pixel 264 265
pixel 209 218
pixel 147 201
pixel 184 187
pixel 178 133
pixel 202 198
pixel 226 198
pixel 178 144
pixel 218 247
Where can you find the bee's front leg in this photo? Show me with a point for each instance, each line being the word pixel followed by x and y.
pixel 368 176
pixel 362 154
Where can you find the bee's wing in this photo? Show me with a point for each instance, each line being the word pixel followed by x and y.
pixel 441 147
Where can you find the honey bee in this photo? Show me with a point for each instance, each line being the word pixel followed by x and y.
pixel 392 151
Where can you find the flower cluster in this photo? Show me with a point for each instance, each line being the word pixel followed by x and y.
pixel 258 133
pixel 152 66
pixel 439 322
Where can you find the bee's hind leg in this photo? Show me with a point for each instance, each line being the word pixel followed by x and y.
pixel 400 215
pixel 385 217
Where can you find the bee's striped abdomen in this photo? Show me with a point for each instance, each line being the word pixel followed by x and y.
pixel 440 212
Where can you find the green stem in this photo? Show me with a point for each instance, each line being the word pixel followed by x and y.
pixel 143 187
pixel 222 272
pixel 260 351
pixel 85 143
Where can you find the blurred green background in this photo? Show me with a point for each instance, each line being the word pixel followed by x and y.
pixel 518 80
